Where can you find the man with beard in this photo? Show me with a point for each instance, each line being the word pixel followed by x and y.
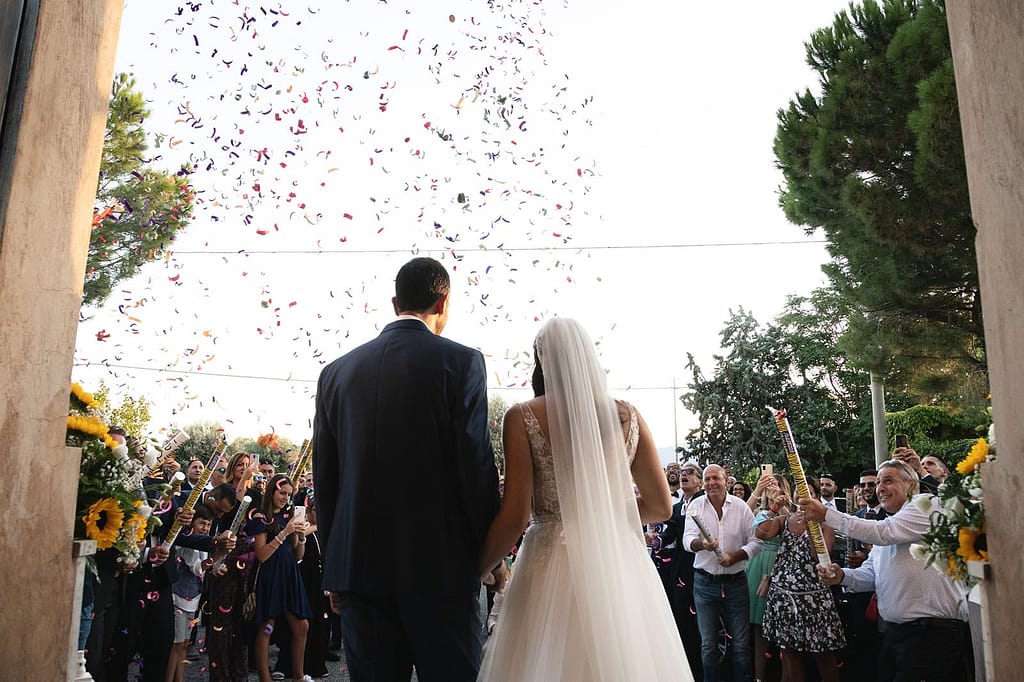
pixel 677 566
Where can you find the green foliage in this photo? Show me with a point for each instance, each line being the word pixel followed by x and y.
pixel 496 408
pixel 941 431
pixel 876 162
pixel 203 437
pixel 138 210
pixel 793 365
pixel 132 414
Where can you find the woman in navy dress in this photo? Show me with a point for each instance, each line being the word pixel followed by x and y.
pixel 279 540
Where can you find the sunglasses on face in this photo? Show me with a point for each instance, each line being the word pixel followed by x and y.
pixel 689 472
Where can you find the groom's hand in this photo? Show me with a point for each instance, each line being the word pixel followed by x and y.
pixel 335 599
pixel 500 575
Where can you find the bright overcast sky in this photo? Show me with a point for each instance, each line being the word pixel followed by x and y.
pixel 538 149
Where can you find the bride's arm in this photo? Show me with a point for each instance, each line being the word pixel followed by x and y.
pixel 653 500
pixel 508 525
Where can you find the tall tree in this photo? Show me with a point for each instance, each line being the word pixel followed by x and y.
pixel 792 364
pixel 138 209
pixel 876 161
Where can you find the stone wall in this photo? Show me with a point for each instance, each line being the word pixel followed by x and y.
pixel 42 264
pixel 988 59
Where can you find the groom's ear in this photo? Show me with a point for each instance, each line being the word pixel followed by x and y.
pixel 441 305
pixel 394 304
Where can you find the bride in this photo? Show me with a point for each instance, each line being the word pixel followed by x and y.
pixel 585 602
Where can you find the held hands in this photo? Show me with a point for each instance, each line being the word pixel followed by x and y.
pixel 497 578
pixel 830 575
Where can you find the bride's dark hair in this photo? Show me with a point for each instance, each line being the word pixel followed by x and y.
pixel 537 380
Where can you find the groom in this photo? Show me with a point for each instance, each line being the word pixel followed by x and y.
pixel 406 411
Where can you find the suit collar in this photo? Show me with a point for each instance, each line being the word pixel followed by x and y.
pixel 408 323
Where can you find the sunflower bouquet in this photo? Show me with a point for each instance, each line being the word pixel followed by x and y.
pixel 112 507
pixel 958 527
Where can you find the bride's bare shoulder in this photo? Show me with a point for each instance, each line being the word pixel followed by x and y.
pixel 624 410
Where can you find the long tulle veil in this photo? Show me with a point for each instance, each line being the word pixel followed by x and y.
pixel 628 631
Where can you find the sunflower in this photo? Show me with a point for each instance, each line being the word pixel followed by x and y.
pixel 108 512
pixel 85 397
pixel 977 455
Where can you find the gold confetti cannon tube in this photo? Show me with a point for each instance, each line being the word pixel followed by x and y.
pixel 168 450
pixel 302 463
pixel 797 468
pixel 704 531
pixel 236 523
pixel 197 492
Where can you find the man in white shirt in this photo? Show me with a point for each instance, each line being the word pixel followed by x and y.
pixel 719 581
pixel 922 613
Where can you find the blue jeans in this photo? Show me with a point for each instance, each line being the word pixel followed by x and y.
pixel 726 601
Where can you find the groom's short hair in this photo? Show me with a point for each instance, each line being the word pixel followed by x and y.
pixel 420 283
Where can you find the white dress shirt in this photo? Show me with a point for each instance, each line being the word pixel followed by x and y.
pixel 907 589
pixel 734 531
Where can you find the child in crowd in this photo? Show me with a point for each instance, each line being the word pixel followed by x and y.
pixel 187 585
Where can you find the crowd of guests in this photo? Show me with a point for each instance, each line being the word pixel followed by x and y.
pixel 245 567
pixel 752 599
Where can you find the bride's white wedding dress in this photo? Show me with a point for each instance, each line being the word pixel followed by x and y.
pixel 558 623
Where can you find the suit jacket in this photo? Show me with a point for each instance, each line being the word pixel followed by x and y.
pixel 404 474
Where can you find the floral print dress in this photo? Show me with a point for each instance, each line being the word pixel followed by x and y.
pixel 800 614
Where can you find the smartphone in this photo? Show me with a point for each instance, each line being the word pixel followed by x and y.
pixel 767 469
pixel 902 441
pixel 300 513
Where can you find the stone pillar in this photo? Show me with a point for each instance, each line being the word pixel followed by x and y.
pixel 42 264
pixel 988 59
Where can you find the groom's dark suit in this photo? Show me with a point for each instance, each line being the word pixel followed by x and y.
pixel 406 488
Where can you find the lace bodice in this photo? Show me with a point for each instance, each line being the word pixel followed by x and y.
pixel 545 490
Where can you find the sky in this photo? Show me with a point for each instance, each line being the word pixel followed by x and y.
pixel 560 158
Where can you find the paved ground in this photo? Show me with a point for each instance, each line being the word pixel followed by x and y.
pixel 197 671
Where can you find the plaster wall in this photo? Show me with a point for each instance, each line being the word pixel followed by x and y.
pixel 42 264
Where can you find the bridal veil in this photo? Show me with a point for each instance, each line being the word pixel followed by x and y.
pixel 585 601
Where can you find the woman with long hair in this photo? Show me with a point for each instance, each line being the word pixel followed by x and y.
pixel 279 542
pixel 587 603
pixel 800 614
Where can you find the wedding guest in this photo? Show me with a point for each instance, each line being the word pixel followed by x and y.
pixel 741 490
pixel 188 566
pixel 680 584
pixel 926 482
pixel 406 411
pixel 227 643
pixel 279 542
pixel 935 467
pixel 800 615
pixel 218 475
pixel 193 471
pixel 827 482
pixel 759 569
pixel 147 623
pixel 311 570
pixel 241 472
pixel 922 613
pixel 720 586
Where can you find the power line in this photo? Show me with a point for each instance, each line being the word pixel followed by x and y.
pixel 499 249
pixel 258 377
